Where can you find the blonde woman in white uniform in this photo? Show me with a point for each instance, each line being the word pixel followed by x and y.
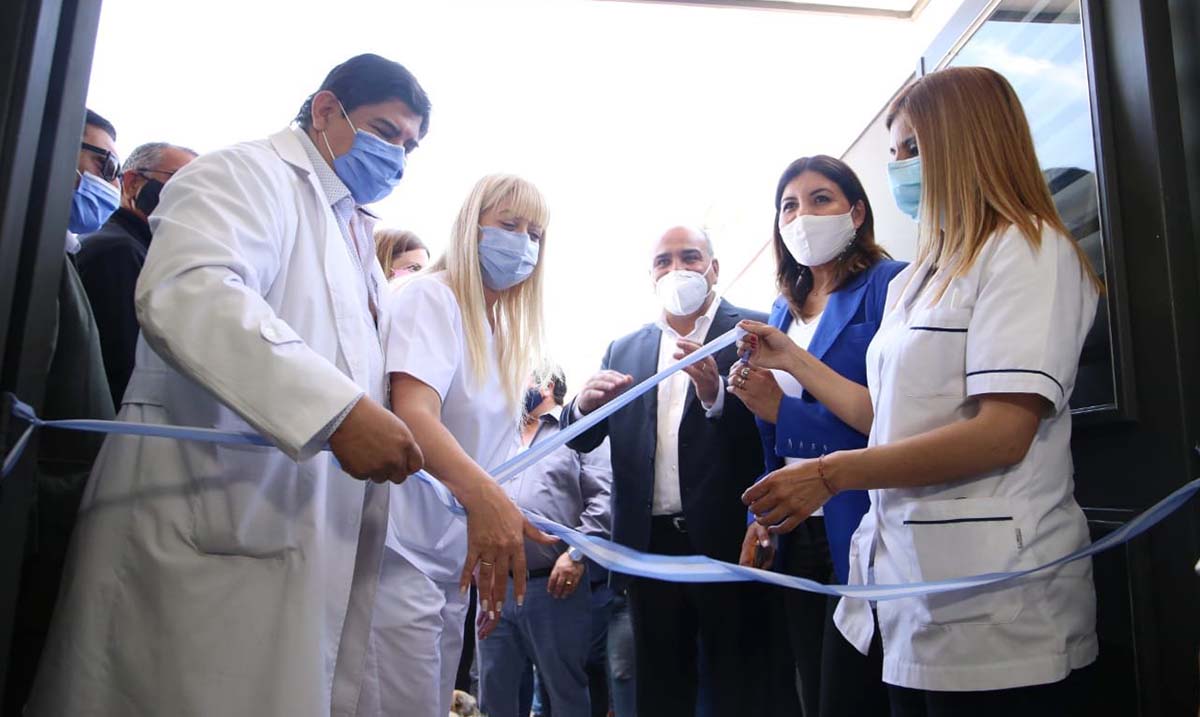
pixel 460 342
pixel 968 463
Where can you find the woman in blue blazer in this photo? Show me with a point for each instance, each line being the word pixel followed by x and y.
pixel 832 279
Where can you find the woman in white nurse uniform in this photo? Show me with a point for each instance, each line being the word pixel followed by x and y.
pixel 459 344
pixel 968 463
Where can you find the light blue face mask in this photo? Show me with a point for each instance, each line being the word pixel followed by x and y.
pixel 905 178
pixel 371 169
pixel 506 258
pixel 92 204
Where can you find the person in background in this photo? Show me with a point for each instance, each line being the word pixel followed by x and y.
pixel 682 455
pixel 97 180
pixel 460 341
pixel 76 387
pixel 969 458
pixel 400 253
pixel 832 278
pixel 110 259
pixel 554 629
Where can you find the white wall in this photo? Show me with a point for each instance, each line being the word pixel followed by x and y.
pixel 868 157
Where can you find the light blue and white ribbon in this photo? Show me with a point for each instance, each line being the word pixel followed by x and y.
pixel 615 557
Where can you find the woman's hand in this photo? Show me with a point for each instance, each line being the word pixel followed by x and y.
pixel 758 389
pixel 485 623
pixel 758 547
pixel 496 530
pixel 787 496
pixel 765 346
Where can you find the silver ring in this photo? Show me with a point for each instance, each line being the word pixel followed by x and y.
pixel 568 582
pixel 745 373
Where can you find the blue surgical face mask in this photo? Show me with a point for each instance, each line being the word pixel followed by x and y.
pixel 533 399
pixel 905 178
pixel 93 203
pixel 371 169
pixel 506 258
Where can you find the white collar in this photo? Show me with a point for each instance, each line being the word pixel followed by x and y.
pixel 702 322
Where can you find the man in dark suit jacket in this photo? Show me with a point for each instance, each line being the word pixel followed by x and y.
pixel 681 457
pixel 110 259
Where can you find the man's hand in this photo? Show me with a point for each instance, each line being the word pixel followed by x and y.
pixel 602 388
pixel 373 444
pixel 703 373
pixel 565 576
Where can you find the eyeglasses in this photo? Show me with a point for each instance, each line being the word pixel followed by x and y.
pixel 110 166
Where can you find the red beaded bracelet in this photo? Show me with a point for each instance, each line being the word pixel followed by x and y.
pixel 821 476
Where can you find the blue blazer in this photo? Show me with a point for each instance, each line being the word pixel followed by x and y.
pixel 805 428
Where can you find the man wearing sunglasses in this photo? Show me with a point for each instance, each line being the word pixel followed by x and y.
pixel 97 185
pixel 111 259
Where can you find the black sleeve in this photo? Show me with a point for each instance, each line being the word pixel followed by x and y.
pixel 109 277
pixel 591 439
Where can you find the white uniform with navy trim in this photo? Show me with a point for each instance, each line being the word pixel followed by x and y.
pixel 1015 323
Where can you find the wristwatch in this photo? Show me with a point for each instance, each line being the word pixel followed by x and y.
pixel 575 555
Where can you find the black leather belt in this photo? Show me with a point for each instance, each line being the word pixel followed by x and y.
pixel 677 522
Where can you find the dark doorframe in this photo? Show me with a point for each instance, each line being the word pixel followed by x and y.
pixel 46 51
pixel 1127 465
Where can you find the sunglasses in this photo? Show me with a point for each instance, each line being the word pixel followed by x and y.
pixel 110 166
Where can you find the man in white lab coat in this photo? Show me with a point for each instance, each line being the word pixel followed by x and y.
pixel 235 580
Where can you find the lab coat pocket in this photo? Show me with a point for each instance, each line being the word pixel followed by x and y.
pixel 256 505
pixel 963 537
pixel 934 353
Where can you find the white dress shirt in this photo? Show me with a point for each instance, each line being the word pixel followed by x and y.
pixel 672 394
pixel 801 333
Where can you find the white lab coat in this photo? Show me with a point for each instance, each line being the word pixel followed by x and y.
pixel 211 580
pixel 1015 323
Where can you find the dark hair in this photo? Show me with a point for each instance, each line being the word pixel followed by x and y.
pixel 95 120
pixel 368 79
pixel 792 279
pixel 560 388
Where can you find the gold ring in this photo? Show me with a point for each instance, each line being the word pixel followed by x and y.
pixel 568 582
pixel 487 564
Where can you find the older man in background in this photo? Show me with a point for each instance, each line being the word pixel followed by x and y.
pixel 554 629
pixel 110 259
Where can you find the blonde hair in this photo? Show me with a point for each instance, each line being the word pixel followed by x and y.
pixel 517 315
pixel 979 171
pixel 390 243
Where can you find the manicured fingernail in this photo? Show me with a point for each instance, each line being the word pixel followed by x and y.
pixel 483 604
pixel 500 606
pixel 462 589
pixel 765 542
pixel 491 614
pixel 521 600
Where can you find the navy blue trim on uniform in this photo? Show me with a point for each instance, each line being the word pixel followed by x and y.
pixel 937 328
pixel 994 519
pixel 1020 370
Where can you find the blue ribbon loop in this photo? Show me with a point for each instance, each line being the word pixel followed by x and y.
pixel 616 557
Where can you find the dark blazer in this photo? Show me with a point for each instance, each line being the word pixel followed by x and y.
pixel 109 261
pixel 805 428
pixel 718 458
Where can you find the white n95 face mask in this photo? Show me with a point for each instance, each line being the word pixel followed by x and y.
pixel 814 240
pixel 682 292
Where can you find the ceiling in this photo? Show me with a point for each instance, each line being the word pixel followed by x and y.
pixel 901 9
